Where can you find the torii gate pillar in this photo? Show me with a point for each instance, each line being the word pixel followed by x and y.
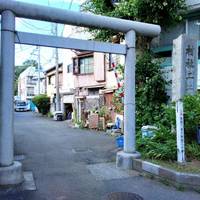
pixel 125 157
pixel 10 170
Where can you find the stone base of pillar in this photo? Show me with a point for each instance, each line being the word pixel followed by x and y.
pixel 125 160
pixel 11 175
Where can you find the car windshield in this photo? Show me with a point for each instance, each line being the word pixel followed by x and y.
pixel 21 103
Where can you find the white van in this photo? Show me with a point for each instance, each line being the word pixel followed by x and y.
pixel 21 106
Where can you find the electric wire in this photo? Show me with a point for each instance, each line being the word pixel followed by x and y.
pixel 22 50
pixel 32 27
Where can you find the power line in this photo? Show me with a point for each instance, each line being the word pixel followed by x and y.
pixel 32 27
pixel 22 50
pixel 35 27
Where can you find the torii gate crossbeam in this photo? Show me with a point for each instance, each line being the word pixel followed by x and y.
pixel 68 43
pixel 11 171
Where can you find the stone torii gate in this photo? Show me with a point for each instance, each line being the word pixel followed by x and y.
pixel 10 170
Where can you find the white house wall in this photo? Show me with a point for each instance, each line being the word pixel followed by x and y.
pixel 66 56
pixel 99 66
pixel 22 82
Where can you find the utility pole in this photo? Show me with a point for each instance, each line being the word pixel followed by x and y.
pixel 57 73
pixel 55 32
pixel 38 70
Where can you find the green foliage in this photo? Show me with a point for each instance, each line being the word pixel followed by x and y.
pixel 30 63
pixel 150 90
pixel 162 146
pixel 191 116
pixel 167 117
pixel 193 151
pixel 149 83
pixel 43 103
pixel 162 12
pixel 118 104
pixel 103 111
pixel 80 124
pixel 49 114
pixel 164 143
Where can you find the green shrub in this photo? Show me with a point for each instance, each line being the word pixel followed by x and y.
pixel 193 151
pixel 149 83
pixel 103 111
pixel 191 116
pixel 43 103
pixel 150 90
pixel 161 146
pixel 80 124
pixel 49 114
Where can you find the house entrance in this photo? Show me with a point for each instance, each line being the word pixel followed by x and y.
pixel 68 109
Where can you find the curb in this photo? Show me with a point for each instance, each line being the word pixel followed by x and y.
pixel 188 180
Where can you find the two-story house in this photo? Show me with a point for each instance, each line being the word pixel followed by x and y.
pixel 28 85
pixel 95 82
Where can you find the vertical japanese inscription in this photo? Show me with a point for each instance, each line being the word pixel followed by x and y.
pixel 190 69
pixel 184 61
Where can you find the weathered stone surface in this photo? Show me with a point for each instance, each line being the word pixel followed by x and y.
pixel 125 160
pixel 137 164
pixel 108 171
pixel 11 175
pixel 172 175
pixel 150 167
pixel 167 173
pixel 185 178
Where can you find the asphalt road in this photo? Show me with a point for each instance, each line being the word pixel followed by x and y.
pixel 73 164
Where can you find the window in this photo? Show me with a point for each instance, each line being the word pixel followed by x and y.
pixel 49 80
pixel 69 68
pixel 75 66
pixel 30 80
pixel 30 91
pixel 86 65
pixel 21 103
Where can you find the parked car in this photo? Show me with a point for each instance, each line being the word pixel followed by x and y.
pixel 21 106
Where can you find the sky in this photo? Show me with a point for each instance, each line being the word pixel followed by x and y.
pixel 24 52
